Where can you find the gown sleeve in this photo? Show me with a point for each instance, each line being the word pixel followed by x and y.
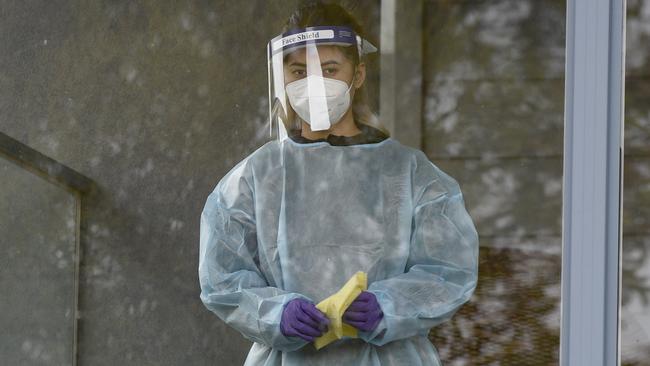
pixel 232 285
pixel 442 268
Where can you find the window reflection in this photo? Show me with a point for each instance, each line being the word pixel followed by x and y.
pixel 494 101
pixel 635 314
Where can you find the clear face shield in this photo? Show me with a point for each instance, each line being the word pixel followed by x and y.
pixel 310 80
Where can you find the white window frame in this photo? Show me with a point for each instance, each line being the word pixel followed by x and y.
pixel 592 189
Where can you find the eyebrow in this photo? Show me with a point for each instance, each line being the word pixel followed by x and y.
pixel 328 62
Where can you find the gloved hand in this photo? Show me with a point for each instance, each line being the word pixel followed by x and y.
pixel 364 313
pixel 301 318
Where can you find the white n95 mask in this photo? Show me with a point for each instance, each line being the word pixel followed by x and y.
pixel 319 101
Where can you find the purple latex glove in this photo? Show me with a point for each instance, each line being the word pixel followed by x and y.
pixel 364 313
pixel 302 319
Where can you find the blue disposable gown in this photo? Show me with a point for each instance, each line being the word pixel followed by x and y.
pixel 298 220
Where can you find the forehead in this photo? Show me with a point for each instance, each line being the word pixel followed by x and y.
pixel 325 52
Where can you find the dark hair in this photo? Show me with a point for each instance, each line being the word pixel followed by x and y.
pixel 317 13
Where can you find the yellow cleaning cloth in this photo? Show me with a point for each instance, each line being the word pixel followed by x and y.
pixel 334 306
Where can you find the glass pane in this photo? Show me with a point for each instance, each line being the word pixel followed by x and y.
pixel 157 102
pixel 37 269
pixel 494 102
pixel 635 314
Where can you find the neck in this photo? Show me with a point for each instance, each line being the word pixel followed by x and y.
pixel 345 127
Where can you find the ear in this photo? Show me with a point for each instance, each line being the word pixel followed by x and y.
pixel 360 75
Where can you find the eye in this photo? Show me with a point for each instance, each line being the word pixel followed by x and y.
pixel 298 72
pixel 329 71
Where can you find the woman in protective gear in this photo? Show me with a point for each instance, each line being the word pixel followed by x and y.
pixel 333 195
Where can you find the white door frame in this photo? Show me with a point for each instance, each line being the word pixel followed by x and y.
pixel 592 202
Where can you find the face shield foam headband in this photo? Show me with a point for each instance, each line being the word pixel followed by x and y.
pixel 318 100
